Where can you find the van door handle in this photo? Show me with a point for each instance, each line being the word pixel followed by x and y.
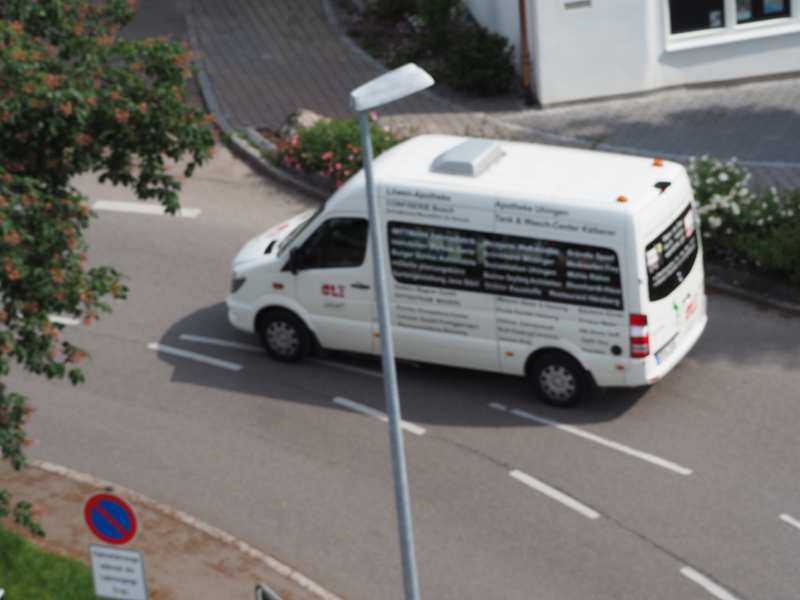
pixel 359 286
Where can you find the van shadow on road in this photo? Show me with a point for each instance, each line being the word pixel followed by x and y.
pixel 430 394
pixel 741 340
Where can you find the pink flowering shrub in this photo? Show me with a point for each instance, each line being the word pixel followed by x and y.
pixel 330 151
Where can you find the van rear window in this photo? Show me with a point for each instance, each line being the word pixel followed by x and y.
pixel 671 255
pixel 505 265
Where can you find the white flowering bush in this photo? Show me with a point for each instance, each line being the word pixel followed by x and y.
pixel 739 221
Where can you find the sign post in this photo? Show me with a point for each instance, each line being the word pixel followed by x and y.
pixel 394 85
pixel 117 573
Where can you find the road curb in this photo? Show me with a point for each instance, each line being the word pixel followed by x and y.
pixel 243 149
pixel 744 294
pixel 270 562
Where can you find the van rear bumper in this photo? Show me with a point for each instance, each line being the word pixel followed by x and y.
pixel 646 371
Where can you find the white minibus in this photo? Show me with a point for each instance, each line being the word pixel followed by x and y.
pixel 577 269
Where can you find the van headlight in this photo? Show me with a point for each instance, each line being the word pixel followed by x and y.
pixel 237 282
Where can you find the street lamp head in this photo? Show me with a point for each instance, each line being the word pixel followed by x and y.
pixel 394 85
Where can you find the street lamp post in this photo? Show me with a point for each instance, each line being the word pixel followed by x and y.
pixel 389 87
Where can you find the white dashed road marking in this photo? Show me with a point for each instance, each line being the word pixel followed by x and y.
pixel 63 320
pixel 603 441
pixel 555 494
pixel 366 410
pixel 224 364
pixel 337 365
pixel 140 208
pixel 215 342
pixel 704 582
pixel 790 520
pixel 200 339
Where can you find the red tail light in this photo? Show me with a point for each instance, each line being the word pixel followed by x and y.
pixel 640 337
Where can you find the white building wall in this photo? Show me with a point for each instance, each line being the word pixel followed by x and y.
pixel 618 47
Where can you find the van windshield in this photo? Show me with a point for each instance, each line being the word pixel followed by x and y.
pixel 671 255
pixel 287 241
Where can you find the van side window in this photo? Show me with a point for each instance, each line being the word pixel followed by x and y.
pixel 505 265
pixel 337 243
pixel 671 255
pixel 347 242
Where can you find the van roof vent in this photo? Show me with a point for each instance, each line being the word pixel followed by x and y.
pixel 471 158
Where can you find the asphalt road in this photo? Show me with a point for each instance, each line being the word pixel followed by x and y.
pixel 264 452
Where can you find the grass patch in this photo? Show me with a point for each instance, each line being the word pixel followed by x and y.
pixel 29 573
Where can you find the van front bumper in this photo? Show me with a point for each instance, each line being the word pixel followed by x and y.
pixel 240 315
pixel 647 371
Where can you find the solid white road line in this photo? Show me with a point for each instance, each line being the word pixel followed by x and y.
pixel 215 342
pixel 555 494
pixel 706 583
pixel 141 208
pixel 188 337
pixel 608 443
pixel 366 410
pixel 224 364
pixel 63 320
pixel 790 520
pixel 337 365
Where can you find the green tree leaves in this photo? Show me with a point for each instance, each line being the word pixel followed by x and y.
pixel 76 99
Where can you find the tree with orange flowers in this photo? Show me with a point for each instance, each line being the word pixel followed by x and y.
pixel 74 98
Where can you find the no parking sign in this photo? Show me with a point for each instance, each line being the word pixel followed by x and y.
pixel 110 518
pixel 117 573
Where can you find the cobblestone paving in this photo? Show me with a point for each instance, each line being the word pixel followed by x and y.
pixel 756 122
pixel 265 59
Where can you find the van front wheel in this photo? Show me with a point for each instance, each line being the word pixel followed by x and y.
pixel 284 336
pixel 558 380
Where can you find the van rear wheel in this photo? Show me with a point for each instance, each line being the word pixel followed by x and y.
pixel 558 380
pixel 284 336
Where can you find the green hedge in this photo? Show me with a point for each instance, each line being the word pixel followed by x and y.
pixel 441 37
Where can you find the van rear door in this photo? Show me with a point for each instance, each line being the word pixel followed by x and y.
pixel 674 280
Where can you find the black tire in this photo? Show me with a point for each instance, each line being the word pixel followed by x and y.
pixel 558 380
pixel 284 336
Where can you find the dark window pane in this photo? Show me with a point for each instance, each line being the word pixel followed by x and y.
pixel 694 15
pixel 335 244
pixel 748 11
pixel 347 242
pixel 312 254
pixel 671 255
pixel 505 265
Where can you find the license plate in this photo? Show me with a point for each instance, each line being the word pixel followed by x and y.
pixel 662 354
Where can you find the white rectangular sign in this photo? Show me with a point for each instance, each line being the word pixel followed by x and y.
pixel 118 573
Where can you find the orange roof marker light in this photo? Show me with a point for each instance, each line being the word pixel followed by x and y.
pixel 658 163
pixel 622 199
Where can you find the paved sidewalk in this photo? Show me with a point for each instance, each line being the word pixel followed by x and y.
pixel 752 121
pixel 183 558
pixel 265 59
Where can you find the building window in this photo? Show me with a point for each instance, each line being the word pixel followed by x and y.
pixel 748 11
pixel 696 15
